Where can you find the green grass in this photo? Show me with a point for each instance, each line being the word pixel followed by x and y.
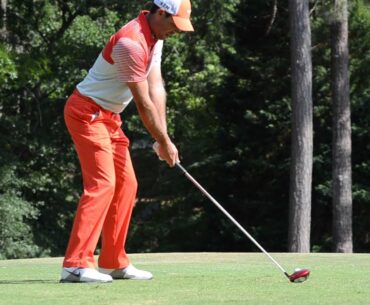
pixel 197 279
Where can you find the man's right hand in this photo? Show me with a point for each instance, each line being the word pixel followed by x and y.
pixel 167 152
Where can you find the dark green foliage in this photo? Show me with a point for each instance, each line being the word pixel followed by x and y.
pixel 228 89
pixel 16 216
pixel 359 21
pixel 360 96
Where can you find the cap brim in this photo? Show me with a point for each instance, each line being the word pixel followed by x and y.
pixel 183 24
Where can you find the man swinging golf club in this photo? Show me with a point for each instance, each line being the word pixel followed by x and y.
pixel 128 67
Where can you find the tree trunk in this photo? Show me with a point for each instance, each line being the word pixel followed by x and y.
pixel 3 30
pixel 342 169
pixel 302 137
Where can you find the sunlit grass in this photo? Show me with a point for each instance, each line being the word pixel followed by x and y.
pixel 197 278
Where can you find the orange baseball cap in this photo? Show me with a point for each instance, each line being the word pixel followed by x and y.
pixel 180 11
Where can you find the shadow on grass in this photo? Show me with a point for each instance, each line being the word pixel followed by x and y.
pixel 17 282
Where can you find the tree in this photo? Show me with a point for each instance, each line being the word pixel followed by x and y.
pixel 228 86
pixel 360 118
pixel 17 239
pixel 302 137
pixel 342 147
pixel 3 31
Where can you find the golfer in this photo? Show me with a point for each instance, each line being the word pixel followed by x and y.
pixel 128 67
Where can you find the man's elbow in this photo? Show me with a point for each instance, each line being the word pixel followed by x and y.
pixel 157 90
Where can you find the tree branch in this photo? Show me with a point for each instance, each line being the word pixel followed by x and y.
pixel 314 7
pixel 273 18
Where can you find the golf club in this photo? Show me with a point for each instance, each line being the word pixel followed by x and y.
pixel 299 275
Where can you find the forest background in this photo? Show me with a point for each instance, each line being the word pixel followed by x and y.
pixel 229 112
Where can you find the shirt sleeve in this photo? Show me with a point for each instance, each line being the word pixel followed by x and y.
pixel 129 57
pixel 157 53
pixel 156 58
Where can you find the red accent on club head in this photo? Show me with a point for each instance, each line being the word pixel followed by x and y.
pixel 299 276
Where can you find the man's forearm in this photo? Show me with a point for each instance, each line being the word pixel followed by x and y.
pixel 148 111
pixel 158 96
pixel 153 122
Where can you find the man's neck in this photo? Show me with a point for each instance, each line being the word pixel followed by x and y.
pixel 149 18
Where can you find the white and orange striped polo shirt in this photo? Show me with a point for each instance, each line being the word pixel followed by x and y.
pixel 128 57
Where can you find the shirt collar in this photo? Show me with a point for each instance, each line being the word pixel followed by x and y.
pixel 150 39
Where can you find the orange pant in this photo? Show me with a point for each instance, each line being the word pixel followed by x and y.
pixel 109 185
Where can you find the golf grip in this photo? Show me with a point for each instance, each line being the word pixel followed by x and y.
pixel 229 216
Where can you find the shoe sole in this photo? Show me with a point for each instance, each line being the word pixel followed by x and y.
pixel 80 282
pixel 132 278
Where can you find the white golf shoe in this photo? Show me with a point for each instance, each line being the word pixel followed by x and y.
pixel 128 273
pixel 83 275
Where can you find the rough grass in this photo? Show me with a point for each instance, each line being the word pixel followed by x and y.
pixel 197 279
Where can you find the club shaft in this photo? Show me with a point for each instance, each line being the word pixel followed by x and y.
pixel 214 201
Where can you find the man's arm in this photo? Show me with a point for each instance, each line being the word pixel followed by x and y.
pixel 157 93
pixel 153 121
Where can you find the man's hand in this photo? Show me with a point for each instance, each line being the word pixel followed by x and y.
pixel 167 152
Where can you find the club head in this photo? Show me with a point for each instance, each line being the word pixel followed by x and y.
pixel 299 275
